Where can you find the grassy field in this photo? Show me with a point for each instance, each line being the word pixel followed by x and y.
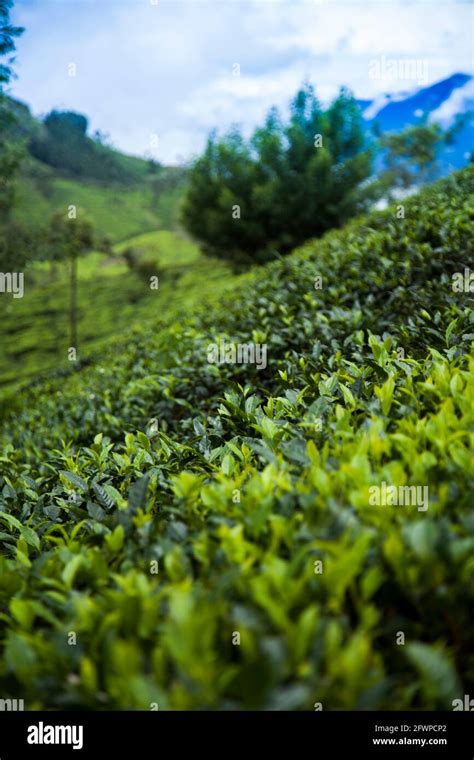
pixel 111 298
pixel 116 211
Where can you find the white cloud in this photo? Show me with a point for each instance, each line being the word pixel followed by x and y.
pixel 167 69
pixel 460 100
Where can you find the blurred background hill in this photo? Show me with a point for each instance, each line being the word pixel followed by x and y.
pixel 134 203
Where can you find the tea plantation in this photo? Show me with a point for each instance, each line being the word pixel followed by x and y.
pixel 179 534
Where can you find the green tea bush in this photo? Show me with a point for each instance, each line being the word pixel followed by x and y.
pixel 183 534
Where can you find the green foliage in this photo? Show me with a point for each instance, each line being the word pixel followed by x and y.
pixel 19 245
pixel 11 155
pixel 144 265
pixel 69 237
pixel 155 504
pixel 8 32
pixel 251 200
pixel 64 144
pixel 10 152
pixel 111 298
pixel 122 195
pixel 411 155
pixel 116 211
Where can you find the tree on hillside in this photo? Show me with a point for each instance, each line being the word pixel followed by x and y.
pixel 8 32
pixel 18 245
pixel 250 200
pixel 221 187
pixel 411 156
pixel 63 143
pixel 69 239
pixel 10 152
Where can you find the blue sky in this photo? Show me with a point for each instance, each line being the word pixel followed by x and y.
pixel 158 75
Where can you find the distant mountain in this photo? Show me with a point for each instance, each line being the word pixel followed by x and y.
pixel 441 102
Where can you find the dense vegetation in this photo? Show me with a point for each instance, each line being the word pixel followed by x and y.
pixel 154 505
pixel 60 164
pixel 115 210
pixel 64 144
pixel 47 166
pixel 250 200
pixel 140 211
pixel 62 141
pixel 10 150
pixel 111 298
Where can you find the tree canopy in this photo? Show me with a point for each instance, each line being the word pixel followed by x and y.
pixel 10 152
pixel 254 199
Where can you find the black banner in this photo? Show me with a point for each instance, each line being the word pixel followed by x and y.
pixel 134 734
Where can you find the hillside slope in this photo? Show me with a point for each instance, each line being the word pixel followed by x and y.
pixel 123 197
pixel 111 298
pixel 204 534
pixel 118 211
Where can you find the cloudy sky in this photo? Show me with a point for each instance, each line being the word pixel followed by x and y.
pixel 157 75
